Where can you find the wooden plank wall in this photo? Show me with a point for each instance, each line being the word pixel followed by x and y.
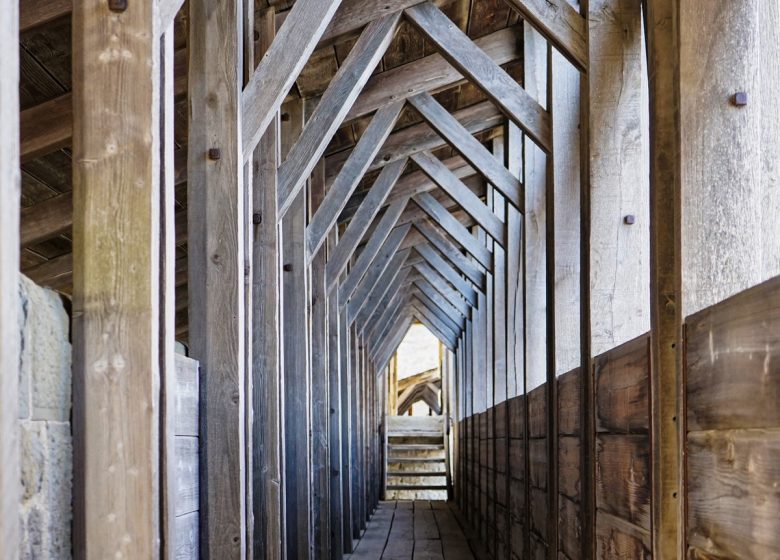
pixel 505 470
pixel 732 356
pixel 186 441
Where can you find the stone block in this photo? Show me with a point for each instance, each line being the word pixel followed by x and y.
pixel 25 369
pixel 33 448
pixel 46 356
pixel 58 489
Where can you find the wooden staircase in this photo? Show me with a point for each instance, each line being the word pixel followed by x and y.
pixel 416 458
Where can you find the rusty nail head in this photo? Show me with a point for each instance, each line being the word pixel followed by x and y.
pixel 287 267
pixel 740 98
pixel 629 220
pixel 257 218
pixel 214 154
pixel 117 5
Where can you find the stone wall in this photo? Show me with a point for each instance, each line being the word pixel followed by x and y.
pixel 44 423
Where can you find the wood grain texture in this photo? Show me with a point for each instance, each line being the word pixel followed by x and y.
pixel 736 335
pixel 362 220
pixel 333 106
pixel 454 228
pixel 559 23
pixel 379 289
pixel 117 274
pixel 187 537
pixel 476 65
pixel 461 194
pixel 443 246
pixel 475 119
pixel 733 501
pixel 187 393
pixel 623 477
pixel 215 197
pixel 431 73
pixel 622 383
pixel 280 66
pixel 616 539
pixel 449 127
pixel 10 350
pixel 350 175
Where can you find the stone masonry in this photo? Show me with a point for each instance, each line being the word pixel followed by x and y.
pixel 44 423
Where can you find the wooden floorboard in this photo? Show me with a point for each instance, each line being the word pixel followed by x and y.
pixel 419 530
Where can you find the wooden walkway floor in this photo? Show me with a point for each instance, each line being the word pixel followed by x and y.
pixel 419 530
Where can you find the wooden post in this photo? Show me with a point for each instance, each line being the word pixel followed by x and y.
pixel 267 449
pixel 10 184
pixel 321 470
pixel 297 381
pixel 216 217
pixel 116 298
pixel 347 392
pixel 337 418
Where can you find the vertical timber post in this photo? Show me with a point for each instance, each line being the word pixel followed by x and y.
pixel 116 314
pixel 215 195
pixel 10 185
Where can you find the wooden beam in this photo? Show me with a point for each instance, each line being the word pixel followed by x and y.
pixel 282 63
pixel 377 290
pixel 333 106
pixel 441 300
pixel 436 268
pixel 386 225
pixel 434 322
pixel 116 319
pixel 447 314
pixel 559 23
pixel 215 207
pixel 430 278
pixel 476 65
pixel 454 228
pixel 461 194
pixel 476 119
pixel 377 266
pixel 10 343
pixel 267 401
pixel 449 127
pixel 370 326
pixel 35 13
pixel 350 176
pixel 46 219
pixel 446 248
pixel 432 73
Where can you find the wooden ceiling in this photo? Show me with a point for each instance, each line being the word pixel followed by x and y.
pixel 45 52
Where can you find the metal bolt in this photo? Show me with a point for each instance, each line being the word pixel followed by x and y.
pixel 214 154
pixel 117 5
pixel 257 218
pixel 285 117
pixel 287 268
pixel 740 98
pixel 629 220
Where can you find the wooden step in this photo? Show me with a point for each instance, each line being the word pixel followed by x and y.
pixel 415 460
pixel 416 446
pixel 416 474
pixel 419 487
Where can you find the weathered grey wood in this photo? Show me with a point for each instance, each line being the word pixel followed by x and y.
pixel 377 266
pixel 446 314
pixel 439 299
pixel 10 186
pixel 365 215
pixel 440 283
pixel 281 65
pixel 387 318
pixel 166 11
pixel 435 259
pixel 559 23
pixel 346 434
pixel 393 338
pixel 432 73
pixel 187 537
pixel 187 480
pixel 267 400
pixel 116 319
pixel 475 64
pixel 370 251
pixel 215 207
pixel 333 106
pixel 461 194
pixel 454 228
pixel 475 119
pixel 295 366
pixel 320 391
pixel 373 324
pixel 499 291
pixel 350 176
pixel 433 322
pixel 380 288
pixel 336 417
pixel 448 126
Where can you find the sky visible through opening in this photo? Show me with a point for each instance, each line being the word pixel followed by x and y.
pixel 418 352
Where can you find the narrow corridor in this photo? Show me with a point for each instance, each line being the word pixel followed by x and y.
pixel 419 530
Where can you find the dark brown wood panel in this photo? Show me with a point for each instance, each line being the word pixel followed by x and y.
pixel 622 388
